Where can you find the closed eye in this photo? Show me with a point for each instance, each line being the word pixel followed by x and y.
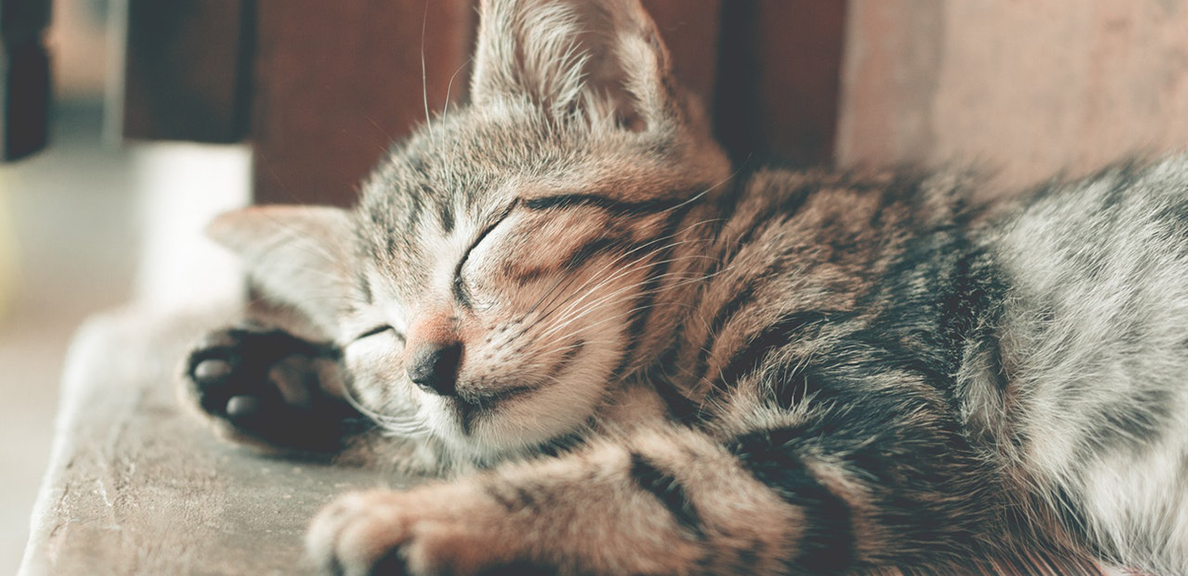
pixel 379 330
pixel 461 294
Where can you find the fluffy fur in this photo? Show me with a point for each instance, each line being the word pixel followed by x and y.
pixel 631 358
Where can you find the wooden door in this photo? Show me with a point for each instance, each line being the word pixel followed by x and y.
pixel 1026 89
pixel 321 89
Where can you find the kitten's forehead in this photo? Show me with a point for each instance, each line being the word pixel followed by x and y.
pixel 455 177
pixel 462 160
pixel 475 161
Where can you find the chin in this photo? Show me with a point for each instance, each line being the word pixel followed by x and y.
pixel 521 425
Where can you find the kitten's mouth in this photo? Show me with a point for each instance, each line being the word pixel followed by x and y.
pixel 470 407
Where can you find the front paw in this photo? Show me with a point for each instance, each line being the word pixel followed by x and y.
pixel 264 386
pixel 443 530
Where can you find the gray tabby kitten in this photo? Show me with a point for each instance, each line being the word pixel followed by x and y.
pixel 630 359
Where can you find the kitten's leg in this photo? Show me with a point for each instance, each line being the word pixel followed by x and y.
pixel 268 388
pixel 658 503
pixel 791 496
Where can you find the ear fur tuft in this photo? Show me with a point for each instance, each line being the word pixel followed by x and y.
pixel 300 255
pixel 599 60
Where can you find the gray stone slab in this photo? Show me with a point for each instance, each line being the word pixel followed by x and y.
pixel 136 486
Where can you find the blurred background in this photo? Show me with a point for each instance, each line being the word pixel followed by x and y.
pixel 68 247
pixel 88 224
pixel 111 210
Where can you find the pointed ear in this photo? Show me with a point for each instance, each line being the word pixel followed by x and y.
pixel 301 255
pixel 601 59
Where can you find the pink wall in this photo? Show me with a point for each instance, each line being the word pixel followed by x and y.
pixel 1029 87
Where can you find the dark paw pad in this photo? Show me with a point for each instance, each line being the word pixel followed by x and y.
pixel 390 564
pixel 267 385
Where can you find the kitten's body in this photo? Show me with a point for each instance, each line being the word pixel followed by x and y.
pixel 758 372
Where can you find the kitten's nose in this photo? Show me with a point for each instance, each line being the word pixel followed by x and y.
pixel 435 367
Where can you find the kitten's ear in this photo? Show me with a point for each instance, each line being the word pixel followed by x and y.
pixel 300 255
pixel 600 58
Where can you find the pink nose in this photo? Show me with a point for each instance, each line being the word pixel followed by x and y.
pixel 433 353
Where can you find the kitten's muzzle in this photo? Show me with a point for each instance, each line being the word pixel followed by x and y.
pixel 434 367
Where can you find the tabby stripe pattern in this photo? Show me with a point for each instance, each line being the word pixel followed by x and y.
pixel 610 205
pixel 828 544
pixel 668 491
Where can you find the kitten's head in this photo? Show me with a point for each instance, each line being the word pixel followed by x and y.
pixel 486 288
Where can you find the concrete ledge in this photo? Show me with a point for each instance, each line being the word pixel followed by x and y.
pixel 134 486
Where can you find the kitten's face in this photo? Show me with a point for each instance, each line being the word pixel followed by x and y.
pixel 487 288
pixel 503 262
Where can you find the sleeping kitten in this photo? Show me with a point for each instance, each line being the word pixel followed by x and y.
pixel 631 358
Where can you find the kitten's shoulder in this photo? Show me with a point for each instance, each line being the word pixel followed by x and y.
pixel 901 193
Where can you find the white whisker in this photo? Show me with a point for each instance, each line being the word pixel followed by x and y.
pixel 424 73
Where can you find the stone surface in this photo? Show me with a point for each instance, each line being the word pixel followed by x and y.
pixel 135 486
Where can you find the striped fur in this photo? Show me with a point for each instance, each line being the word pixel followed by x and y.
pixel 670 366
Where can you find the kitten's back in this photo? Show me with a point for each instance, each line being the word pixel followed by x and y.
pixel 1095 355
